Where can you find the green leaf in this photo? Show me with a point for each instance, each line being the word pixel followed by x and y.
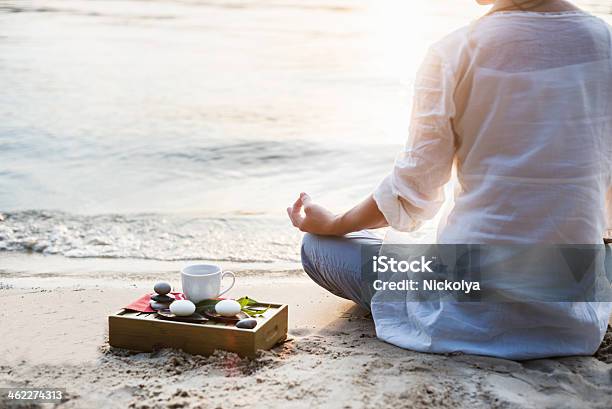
pixel 205 305
pixel 246 301
pixel 252 312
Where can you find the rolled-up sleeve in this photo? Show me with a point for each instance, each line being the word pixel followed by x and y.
pixel 414 191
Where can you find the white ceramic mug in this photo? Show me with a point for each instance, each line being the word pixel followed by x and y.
pixel 203 281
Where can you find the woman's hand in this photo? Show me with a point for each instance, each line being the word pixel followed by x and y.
pixel 316 219
pixel 319 220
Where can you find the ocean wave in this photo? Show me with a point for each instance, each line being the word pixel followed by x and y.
pixel 241 239
pixel 251 156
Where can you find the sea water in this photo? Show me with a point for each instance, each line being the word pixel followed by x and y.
pixel 181 129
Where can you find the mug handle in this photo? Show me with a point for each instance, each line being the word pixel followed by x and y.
pixel 230 274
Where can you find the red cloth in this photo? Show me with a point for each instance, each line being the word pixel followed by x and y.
pixel 143 304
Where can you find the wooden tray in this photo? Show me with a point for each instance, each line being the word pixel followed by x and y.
pixel 146 332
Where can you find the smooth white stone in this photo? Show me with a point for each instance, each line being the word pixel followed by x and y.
pixel 182 308
pixel 227 308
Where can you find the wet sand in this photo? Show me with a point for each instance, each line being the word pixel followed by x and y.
pixel 55 334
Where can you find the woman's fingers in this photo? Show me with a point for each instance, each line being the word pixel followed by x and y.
pixel 306 202
pixel 296 219
pixel 290 214
pixel 297 205
pixel 297 208
pixel 294 212
pixel 315 219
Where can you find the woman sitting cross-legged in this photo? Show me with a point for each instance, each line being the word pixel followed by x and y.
pixel 520 103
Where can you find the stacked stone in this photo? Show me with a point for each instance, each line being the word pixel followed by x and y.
pixel 161 301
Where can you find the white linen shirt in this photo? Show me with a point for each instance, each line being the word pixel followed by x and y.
pixel 521 103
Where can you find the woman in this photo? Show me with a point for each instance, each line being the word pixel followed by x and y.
pixel 521 102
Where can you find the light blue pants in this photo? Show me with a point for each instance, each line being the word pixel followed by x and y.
pixel 338 264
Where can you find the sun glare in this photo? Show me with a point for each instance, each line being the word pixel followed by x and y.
pixel 403 30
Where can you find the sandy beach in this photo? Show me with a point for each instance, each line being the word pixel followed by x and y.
pixel 139 136
pixel 55 327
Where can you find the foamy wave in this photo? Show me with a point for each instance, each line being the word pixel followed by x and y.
pixel 151 236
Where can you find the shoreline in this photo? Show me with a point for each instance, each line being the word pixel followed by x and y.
pixel 332 357
pixel 17 261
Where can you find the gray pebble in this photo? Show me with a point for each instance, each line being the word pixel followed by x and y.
pixel 162 288
pixel 158 305
pixel 164 299
pixel 247 323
